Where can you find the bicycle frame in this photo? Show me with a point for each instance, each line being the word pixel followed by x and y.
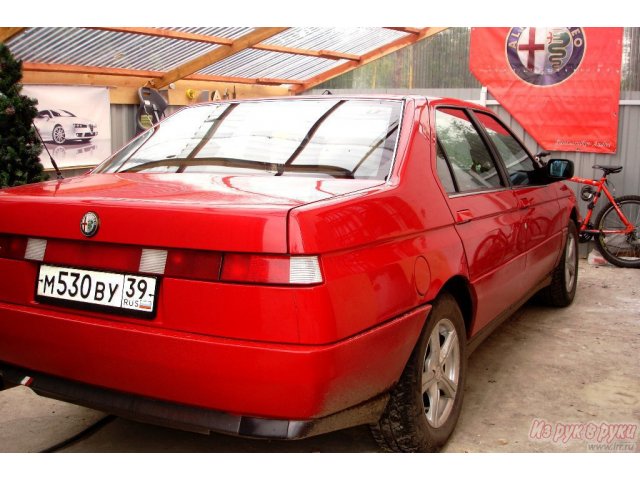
pixel 601 186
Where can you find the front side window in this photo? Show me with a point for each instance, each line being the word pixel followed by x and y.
pixel 519 164
pixel 466 152
pixel 332 137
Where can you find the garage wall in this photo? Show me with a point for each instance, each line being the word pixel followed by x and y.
pixel 123 125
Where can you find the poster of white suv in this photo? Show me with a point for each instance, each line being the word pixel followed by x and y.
pixel 61 126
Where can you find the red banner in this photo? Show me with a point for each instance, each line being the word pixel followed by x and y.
pixel 562 84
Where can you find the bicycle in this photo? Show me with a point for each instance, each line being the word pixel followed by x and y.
pixel 617 226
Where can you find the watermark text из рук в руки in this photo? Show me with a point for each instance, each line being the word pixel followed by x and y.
pixel 602 436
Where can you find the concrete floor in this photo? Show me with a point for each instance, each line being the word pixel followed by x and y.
pixel 573 370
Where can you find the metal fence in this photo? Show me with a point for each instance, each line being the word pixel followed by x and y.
pixel 123 125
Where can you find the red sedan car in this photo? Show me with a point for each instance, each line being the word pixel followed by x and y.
pixel 285 267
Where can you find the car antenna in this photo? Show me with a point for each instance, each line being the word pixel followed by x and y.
pixel 53 162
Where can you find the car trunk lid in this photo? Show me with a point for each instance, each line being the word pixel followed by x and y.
pixel 197 211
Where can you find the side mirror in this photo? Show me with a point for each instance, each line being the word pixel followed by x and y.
pixel 559 169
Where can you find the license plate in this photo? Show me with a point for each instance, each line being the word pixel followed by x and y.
pixel 124 292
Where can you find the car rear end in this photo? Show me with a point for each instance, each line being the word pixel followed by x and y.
pixel 174 297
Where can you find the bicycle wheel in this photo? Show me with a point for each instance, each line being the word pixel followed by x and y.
pixel 621 249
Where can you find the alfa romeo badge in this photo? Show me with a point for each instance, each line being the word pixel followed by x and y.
pixel 545 56
pixel 89 224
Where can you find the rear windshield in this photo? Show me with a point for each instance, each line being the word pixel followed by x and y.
pixel 333 137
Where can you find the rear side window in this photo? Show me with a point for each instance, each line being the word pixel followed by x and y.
pixel 517 160
pixel 466 152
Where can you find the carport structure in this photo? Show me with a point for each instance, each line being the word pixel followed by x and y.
pixel 248 61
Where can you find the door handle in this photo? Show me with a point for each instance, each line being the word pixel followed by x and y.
pixel 464 216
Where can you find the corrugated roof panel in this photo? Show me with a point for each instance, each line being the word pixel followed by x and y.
pixel 253 63
pixel 108 49
pixel 80 46
pixel 357 41
pixel 224 32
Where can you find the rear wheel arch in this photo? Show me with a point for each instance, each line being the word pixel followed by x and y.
pixel 460 289
pixel 424 405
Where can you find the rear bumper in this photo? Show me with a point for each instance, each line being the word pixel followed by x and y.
pixel 188 418
pixel 237 378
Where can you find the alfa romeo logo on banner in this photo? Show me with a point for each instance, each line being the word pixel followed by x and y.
pixel 562 84
pixel 545 56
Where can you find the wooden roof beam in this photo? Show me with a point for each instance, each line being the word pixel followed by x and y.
pixel 256 81
pixel 165 33
pixel 7 33
pixel 123 72
pixel 209 58
pixel 277 81
pixel 367 58
pixel 124 90
pixel 411 30
pixel 84 70
pixel 329 54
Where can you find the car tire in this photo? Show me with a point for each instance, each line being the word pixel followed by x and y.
pixel 564 279
pixel 422 421
pixel 58 135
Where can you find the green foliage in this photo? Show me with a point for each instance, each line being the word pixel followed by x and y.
pixel 20 146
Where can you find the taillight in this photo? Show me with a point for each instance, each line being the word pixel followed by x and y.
pixel 305 270
pixel 196 264
pixel 12 247
pixel 271 269
pixel 193 264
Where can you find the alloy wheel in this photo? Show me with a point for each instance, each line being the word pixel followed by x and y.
pixel 570 263
pixel 441 373
pixel 58 135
